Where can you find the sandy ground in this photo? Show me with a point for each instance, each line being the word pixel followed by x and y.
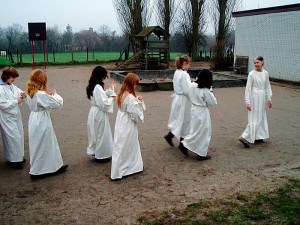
pixel 85 194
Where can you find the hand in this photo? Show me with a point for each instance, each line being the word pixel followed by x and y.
pixel 248 107
pixel 139 97
pixel 51 92
pixel 23 95
pixel 113 86
pixel 20 100
pixel 270 104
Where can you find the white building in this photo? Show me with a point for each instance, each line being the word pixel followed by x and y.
pixel 273 33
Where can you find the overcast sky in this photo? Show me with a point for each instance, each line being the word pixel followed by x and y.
pixel 82 14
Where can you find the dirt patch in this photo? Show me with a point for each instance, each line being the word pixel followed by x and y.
pixel 86 195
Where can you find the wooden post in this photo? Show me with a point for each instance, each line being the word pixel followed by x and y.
pixel 32 51
pixel 44 50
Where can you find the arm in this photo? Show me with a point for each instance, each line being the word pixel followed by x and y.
pixel 268 91
pixel 104 102
pixel 134 110
pixel 186 83
pixel 209 98
pixel 8 105
pixel 48 101
pixel 248 91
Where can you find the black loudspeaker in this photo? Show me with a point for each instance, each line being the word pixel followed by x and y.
pixel 37 31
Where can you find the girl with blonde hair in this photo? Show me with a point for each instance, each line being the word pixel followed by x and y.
pixel 45 155
pixel 126 156
pixel 180 115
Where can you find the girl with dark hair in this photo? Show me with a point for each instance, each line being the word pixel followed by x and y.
pixel 45 155
pixel 180 115
pixel 258 94
pixel 199 135
pixel 100 141
pixel 126 157
pixel 10 118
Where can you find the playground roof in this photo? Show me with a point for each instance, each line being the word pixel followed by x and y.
pixel 157 30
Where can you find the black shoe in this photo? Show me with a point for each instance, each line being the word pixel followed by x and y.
pixel 183 149
pixel 259 141
pixel 200 158
pixel 106 160
pixel 61 169
pixel 169 138
pixel 16 165
pixel 244 142
pixel 41 176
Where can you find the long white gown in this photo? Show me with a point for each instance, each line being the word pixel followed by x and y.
pixel 257 93
pixel 180 115
pixel 200 131
pixel 100 141
pixel 45 155
pixel 11 122
pixel 126 157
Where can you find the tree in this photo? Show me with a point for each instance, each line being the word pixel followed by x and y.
pixel 221 12
pixel 67 38
pixel 132 16
pixel 54 39
pixel 13 34
pixel 166 11
pixel 192 25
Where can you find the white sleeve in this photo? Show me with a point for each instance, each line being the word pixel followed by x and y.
pixel 248 89
pixel 134 110
pixel 268 88
pixel 104 102
pixel 49 101
pixel 209 98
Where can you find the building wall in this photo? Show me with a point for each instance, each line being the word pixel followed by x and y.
pixel 276 37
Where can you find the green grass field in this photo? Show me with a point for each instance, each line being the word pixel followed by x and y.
pixel 69 57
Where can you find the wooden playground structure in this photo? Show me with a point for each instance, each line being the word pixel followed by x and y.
pixel 151 50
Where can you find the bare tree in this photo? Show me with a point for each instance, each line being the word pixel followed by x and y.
pixel 166 11
pixel 192 24
pixel 221 12
pixel 132 16
pixel 13 34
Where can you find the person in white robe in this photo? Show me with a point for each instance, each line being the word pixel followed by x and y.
pixel 180 115
pixel 10 118
pixel 45 155
pixel 127 157
pixel 258 94
pixel 199 135
pixel 100 140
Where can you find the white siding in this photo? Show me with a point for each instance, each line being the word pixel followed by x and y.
pixel 276 37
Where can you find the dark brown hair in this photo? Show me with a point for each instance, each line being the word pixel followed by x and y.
pixel 9 72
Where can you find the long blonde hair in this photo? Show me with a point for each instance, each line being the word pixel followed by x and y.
pixel 37 82
pixel 129 83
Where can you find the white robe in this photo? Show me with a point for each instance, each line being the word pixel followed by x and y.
pixel 45 155
pixel 126 157
pixel 200 131
pixel 11 122
pixel 180 115
pixel 258 92
pixel 100 141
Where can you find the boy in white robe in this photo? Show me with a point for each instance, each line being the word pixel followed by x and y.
pixel 100 141
pixel 199 135
pixel 45 155
pixel 126 157
pixel 258 94
pixel 180 115
pixel 10 118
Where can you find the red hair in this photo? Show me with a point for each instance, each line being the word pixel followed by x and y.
pixel 129 83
